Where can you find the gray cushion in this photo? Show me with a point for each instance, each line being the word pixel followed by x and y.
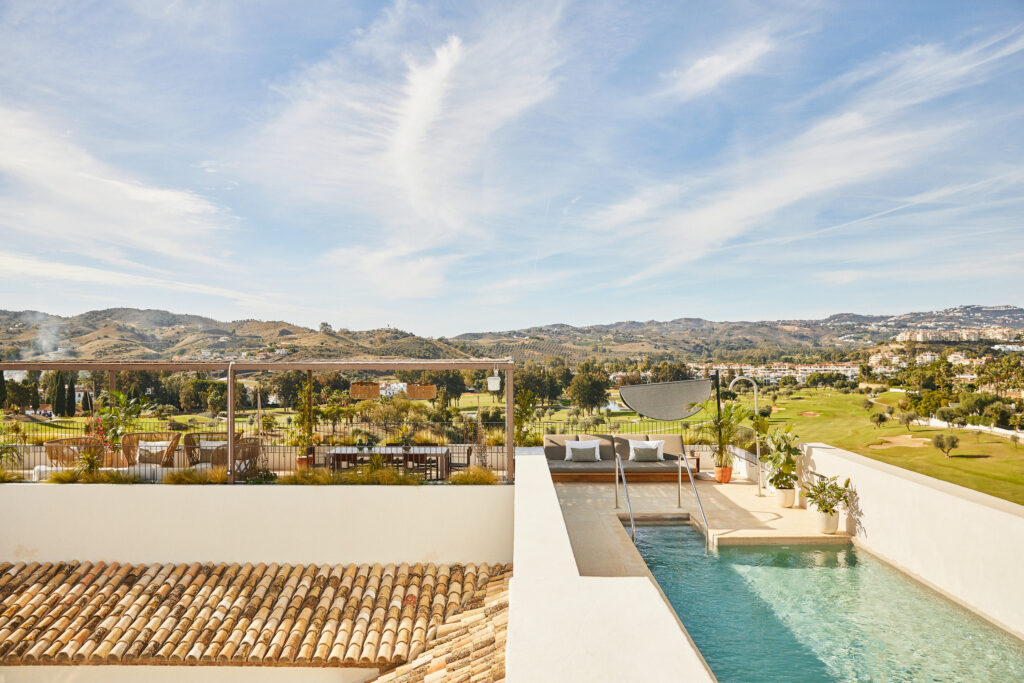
pixel 554 445
pixel 584 454
pixel 649 454
pixel 673 443
pixel 622 443
pixel 607 444
pixel 669 464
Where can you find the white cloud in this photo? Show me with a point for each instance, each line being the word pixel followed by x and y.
pixel 407 141
pixel 57 191
pixel 875 133
pixel 710 71
pixel 26 265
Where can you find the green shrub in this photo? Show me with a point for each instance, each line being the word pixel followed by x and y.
pixel 217 475
pixel 474 476
pixel 7 477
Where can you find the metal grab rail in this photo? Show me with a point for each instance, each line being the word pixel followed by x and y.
pixel 620 472
pixel 679 493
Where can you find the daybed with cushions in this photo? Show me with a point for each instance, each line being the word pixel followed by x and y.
pixel 609 444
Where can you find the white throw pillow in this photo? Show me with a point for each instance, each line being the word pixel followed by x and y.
pixel 633 443
pixel 210 445
pixel 661 448
pixel 570 446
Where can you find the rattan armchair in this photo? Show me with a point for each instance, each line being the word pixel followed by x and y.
pixel 65 452
pixel 247 456
pixel 164 458
pixel 193 445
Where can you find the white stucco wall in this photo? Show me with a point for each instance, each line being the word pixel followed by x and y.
pixel 175 674
pixel 964 543
pixel 296 524
pixel 565 627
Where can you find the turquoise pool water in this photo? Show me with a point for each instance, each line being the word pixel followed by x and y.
pixel 820 613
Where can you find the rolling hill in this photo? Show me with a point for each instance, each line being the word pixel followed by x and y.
pixel 130 333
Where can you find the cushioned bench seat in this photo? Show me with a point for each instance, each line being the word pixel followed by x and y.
pixel 669 463
pixel 610 444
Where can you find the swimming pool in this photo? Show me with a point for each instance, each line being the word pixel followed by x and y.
pixel 820 613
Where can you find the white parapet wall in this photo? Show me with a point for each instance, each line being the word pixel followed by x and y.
pixel 965 544
pixel 567 627
pixel 275 523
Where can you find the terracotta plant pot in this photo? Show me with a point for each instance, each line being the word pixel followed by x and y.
pixel 723 474
pixel 785 497
pixel 828 524
pixel 305 462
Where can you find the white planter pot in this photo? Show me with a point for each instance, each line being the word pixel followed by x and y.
pixel 785 497
pixel 827 524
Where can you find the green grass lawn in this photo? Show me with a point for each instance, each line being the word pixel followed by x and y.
pixel 986 463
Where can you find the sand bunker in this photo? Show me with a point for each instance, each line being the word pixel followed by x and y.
pixel 901 441
pixel 776 409
pixel 810 413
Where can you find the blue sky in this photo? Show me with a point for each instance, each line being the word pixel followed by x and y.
pixel 452 167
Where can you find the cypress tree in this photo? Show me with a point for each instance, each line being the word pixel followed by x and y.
pixel 58 399
pixel 86 402
pixel 34 395
pixel 69 407
pixel 3 390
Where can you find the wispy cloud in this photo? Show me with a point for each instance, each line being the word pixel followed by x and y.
pixel 57 191
pixel 708 72
pixel 875 133
pixel 406 137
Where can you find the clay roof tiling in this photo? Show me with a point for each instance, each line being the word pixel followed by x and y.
pixel 377 616
pixel 470 647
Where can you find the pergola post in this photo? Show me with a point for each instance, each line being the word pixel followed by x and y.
pixel 231 422
pixel 510 441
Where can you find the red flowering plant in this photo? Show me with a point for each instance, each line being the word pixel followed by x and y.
pixel 94 427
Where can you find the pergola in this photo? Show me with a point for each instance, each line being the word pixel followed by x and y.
pixel 112 367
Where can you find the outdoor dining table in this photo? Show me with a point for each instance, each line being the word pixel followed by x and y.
pixel 420 455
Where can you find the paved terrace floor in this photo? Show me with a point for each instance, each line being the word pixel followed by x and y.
pixel 736 515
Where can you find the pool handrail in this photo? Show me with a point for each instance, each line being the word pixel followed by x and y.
pixel 621 472
pixel 679 491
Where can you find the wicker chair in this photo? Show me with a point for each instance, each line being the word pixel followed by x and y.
pixel 165 458
pixel 247 456
pixel 65 452
pixel 193 445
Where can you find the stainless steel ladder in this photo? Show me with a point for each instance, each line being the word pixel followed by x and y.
pixel 620 472
pixel 679 493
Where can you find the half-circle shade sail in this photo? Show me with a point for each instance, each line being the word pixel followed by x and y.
pixel 667 400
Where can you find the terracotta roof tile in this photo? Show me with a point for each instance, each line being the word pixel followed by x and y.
pixel 470 646
pixel 302 615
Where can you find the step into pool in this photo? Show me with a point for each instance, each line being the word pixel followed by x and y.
pixel 820 613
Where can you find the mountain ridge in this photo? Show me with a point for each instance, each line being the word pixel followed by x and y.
pixel 132 333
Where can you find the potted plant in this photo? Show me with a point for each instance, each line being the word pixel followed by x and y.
pixel 780 457
pixel 406 438
pixel 826 495
pixel 725 425
pixel 305 426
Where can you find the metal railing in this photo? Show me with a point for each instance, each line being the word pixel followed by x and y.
pixel 467 445
pixel 620 473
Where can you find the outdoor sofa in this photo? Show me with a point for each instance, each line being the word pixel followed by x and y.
pixel 604 469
